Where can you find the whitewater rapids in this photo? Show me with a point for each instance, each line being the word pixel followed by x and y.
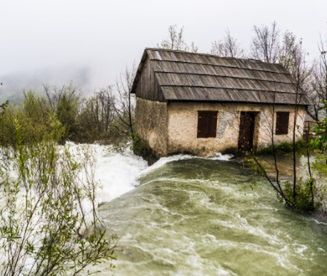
pixel 201 216
pixel 118 172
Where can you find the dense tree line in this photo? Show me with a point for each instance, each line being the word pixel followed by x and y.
pixel 105 117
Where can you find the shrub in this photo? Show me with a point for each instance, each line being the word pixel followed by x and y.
pixel 48 217
pixel 305 191
pixel 320 141
pixel 284 148
pixel 34 120
pixel 320 165
pixel 100 118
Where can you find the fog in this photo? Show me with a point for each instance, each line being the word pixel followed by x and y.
pixel 91 42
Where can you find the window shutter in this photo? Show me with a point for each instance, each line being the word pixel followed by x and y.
pixel 282 121
pixel 207 124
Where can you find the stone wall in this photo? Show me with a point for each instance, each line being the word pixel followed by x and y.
pixel 182 127
pixel 151 124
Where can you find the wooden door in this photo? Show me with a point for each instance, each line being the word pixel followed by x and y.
pixel 246 133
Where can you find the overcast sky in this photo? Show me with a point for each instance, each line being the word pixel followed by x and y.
pixel 102 37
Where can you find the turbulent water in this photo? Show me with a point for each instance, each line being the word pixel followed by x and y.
pixel 197 216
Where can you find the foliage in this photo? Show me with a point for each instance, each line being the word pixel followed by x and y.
pixel 320 140
pixel 66 110
pixel 284 147
pixel 95 120
pixel 300 194
pixel 34 120
pixel 3 107
pixel 100 118
pixel 48 218
pixel 305 191
pixel 320 165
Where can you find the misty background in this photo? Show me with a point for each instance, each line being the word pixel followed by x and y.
pixel 90 43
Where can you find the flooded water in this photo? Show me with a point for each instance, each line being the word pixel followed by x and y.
pixel 210 217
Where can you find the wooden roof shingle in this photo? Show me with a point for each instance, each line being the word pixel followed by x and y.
pixel 185 76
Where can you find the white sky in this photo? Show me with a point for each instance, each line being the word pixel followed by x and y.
pixel 108 35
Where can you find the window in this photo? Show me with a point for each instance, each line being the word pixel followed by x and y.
pixel 207 124
pixel 282 119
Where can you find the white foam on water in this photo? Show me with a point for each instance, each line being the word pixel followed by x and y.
pixel 319 222
pixel 221 157
pixel 118 171
pixel 165 160
pixel 178 157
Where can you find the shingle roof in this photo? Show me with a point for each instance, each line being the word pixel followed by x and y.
pixel 184 76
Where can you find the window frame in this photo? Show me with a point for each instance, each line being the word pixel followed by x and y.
pixel 207 124
pixel 282 124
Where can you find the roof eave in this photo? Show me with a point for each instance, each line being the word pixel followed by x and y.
pixel 236 102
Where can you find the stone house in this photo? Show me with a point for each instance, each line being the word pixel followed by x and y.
pixel 204 104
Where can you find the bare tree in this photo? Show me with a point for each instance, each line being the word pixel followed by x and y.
pixel 294 59
pixel 265 44
pixel 96 116
pixel 275 182
pixel 65 102
pixel 292 56
pixel 289 52
pixel 227 47
pixel 125 105
pixel 175 40
pixel 319 83
pixel 297 194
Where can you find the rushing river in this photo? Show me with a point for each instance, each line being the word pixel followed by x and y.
pixel 210 217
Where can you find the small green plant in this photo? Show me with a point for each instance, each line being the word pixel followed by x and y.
pixel 320 165
pixel 305 191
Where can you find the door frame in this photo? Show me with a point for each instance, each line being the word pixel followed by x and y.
pixel 254 120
